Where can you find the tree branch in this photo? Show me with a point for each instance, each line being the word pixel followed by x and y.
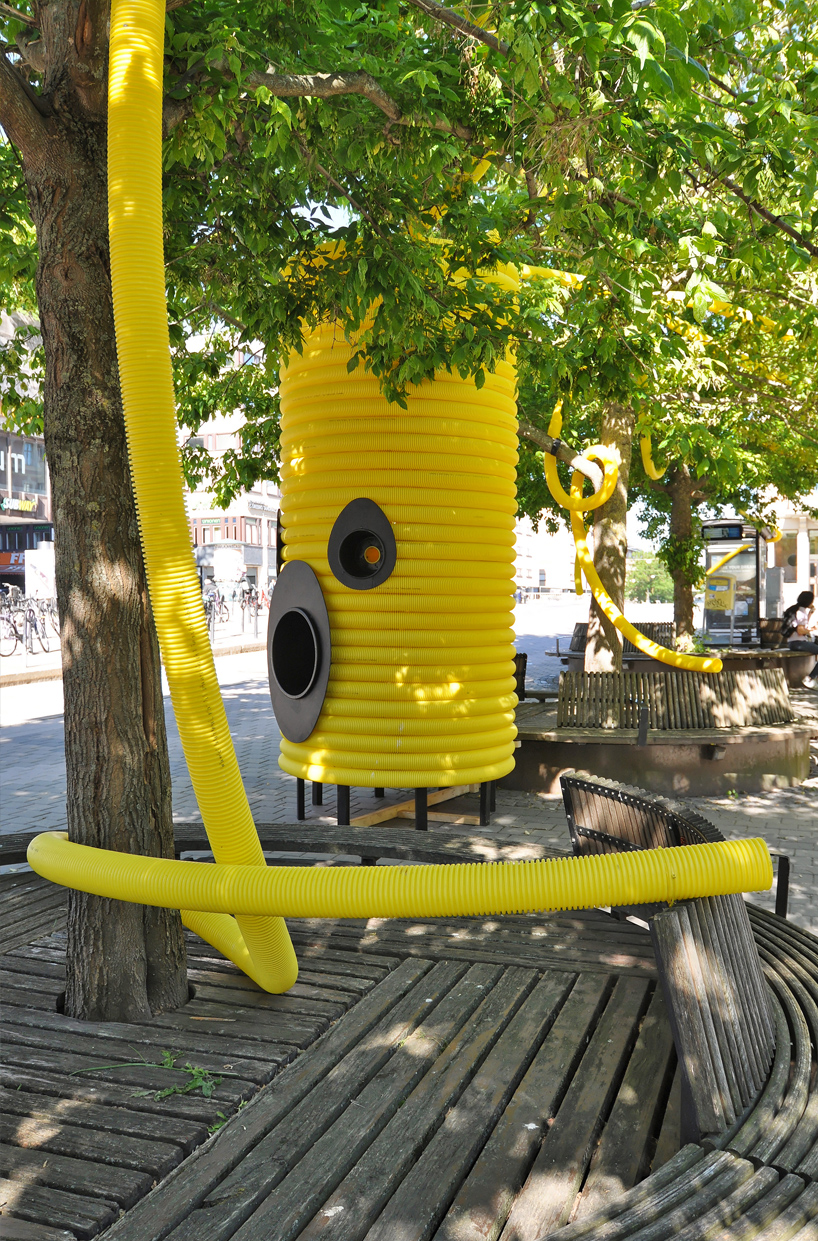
pixel 329 85
pixel 564 453
pixel 18 16
pixel 769 216
pixel 22 112
pixel 450 18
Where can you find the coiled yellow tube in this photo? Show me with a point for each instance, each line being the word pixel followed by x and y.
pixel 577 505
pixel 425 659
pixel 412 891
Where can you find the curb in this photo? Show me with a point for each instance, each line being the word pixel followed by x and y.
pixel 55 674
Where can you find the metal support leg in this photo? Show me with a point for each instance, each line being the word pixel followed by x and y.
pixel 379 792
pixel 485 803
pixel 782 888
pixel 342 805
pixel 421 811
pixel 300 809
pixel 317 793
pixel 493 799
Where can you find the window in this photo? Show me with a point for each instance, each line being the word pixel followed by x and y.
pixel 271 534
pixel 225 441
pixel 252 531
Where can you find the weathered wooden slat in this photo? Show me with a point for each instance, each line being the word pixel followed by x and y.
pixel 21 1230
pixel 548 1195
pixel 783 1126
pixel 96 1146
pixel 481 1206
pixel 387 1152
pixel 196 1109
pixel 81 1217
pixel 43 1109
pixel 381 1015
pixel 367 1188
pixel 94 1180
pixel 425 1193
pixel 691 1035
pixel 111 1051
pixel 621 1157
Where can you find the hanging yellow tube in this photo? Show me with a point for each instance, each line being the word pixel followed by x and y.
pixel 647 459
pixel 576 505
pixel 240 883
pixel 725 559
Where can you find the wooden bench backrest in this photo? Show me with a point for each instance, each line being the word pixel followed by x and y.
pixel 663 632
pixel 705 952
pixel 718 1006
pixel 675 698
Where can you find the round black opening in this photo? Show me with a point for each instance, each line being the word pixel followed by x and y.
pixel 362 554
pixel 295 653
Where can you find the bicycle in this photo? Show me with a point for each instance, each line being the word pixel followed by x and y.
pixel 35 627
pixel 9 637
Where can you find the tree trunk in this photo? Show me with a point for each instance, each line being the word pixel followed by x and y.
pixel 125 961
pixel 603 652
pixel 681 487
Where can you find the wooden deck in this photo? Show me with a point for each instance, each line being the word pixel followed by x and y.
pixel 421 1079
pixel 425 1080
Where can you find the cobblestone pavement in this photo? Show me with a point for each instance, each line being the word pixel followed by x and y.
pixel 33 781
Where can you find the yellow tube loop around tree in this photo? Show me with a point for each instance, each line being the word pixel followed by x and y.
pixel 411 891
pixel 647 459
pixel 575 502
pixel 584 560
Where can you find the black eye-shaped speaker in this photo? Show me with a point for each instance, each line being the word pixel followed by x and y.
pixel 362 551
pixel 298 650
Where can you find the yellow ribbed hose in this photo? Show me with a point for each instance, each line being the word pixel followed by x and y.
pixel 421 683
pixel 412 891
pixel 403 705
pixel 577 505
pixel 140 311
pixel 647 459
pixel 725 559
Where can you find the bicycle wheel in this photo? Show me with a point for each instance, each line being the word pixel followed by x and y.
pixel 8 636
pixel 54 619
pixel 41 634
pixel 224 613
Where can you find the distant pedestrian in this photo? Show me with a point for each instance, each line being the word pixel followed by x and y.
pixel 799 631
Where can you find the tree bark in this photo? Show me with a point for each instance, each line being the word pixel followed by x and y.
pixel 603 652
pixel 680 488
pixel 125 961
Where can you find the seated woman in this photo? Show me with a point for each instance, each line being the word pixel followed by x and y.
pixel 800 633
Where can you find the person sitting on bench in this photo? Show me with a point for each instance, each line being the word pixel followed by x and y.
pixel 799 632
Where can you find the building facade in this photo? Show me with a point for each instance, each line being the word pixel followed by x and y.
pixel 25 503
pixel 239 542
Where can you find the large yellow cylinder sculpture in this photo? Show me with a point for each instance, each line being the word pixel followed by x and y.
pixel 420 690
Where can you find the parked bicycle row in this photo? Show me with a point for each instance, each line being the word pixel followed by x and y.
pixel 33 624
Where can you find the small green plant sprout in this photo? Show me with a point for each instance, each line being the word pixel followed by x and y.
pixel 200 1079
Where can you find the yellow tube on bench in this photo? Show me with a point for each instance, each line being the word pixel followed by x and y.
pixel 411 891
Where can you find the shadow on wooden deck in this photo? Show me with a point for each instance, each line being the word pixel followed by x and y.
pixel 454 1079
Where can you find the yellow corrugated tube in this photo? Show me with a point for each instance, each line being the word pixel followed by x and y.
pixel 412 891
pixel 140 312
pixel 651 469
pixel 421 686
pixel 577 505
pixel 443 663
